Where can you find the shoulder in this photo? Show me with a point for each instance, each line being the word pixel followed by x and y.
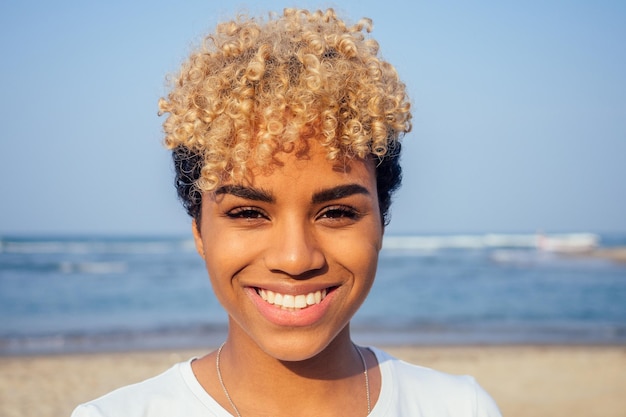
pixel 409 389
pixel 161 395
pixel 406 374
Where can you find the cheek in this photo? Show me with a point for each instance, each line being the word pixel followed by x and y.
pixel 358 254
pixel 225 255
pixel 368 265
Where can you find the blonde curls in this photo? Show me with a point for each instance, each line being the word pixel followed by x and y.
pixel 256 86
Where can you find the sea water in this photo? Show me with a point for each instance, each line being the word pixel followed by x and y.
pixel 69 294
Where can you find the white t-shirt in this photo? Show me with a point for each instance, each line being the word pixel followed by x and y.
pixel 406 390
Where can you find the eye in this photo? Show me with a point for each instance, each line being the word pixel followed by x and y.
pixel 249 213
pixel 339 213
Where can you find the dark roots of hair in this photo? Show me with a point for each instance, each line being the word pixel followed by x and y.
pixel 188 167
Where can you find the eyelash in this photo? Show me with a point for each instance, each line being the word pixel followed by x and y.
pixel 249 213
pixel 332 213
pixel 338 212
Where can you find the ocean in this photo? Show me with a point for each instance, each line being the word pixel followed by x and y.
pixel 92 293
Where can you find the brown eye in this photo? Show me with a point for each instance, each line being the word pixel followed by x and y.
pixel 339 212
pixel 246 213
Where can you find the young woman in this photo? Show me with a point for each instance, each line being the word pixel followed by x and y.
pixel 285 135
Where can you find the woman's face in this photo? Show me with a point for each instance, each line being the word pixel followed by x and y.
pixel 292 253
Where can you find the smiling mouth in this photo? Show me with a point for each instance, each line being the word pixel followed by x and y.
pixel 293 302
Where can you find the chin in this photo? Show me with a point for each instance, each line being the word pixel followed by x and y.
pixel 297 347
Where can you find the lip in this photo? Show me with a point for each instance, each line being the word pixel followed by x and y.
pixel 303 317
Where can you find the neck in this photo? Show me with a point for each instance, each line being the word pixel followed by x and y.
pixel 337 360
pixel 329 383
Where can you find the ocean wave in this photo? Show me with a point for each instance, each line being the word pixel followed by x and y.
pixel 193 336
pixel 95 246
pixel 572 241
pixel 93 267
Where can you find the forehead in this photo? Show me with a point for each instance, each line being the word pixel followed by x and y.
pixel 308 165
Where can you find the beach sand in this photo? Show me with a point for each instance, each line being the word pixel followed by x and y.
pixel 524 380
pixel 617 254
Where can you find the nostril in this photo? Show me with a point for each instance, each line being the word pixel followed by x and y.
pixel 295 254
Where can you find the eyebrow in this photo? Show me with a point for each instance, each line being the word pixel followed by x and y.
pixel 249 193
pixel 323 196
pixel 338 192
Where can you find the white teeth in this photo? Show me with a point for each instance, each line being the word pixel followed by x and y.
pixel 278 299
pixel 289 301
pixel 310 298
pixel 292 301
pixel 300 301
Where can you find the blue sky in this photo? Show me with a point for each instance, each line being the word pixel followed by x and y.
pixel 519 112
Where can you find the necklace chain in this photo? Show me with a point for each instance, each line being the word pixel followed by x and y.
pixel 232 404
pixel 219 376
pixel 367 379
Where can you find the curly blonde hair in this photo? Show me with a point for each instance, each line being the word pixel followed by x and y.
pixel 257 87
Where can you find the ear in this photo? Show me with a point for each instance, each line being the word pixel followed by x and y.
pixel 197 238
pixel 382 238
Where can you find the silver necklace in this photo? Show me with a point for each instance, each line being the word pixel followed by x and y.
pixel 232 404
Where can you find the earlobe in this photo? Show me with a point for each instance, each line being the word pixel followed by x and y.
pixel 197 238
pixel 382 237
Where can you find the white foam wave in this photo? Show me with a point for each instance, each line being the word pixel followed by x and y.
pixel 487 241
pixel 95 246
pixel 93 267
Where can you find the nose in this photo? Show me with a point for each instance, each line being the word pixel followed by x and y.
pixel 294 250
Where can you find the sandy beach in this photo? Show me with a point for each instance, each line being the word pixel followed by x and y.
pixel 525 380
